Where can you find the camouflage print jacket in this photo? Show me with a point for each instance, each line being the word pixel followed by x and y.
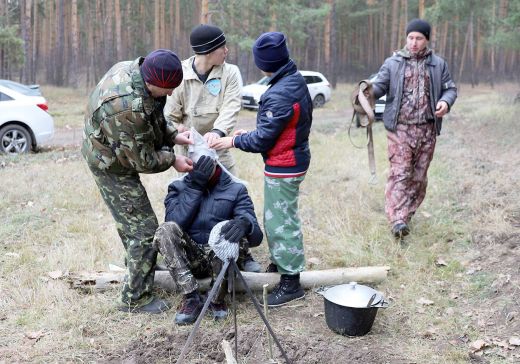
pixel 125 129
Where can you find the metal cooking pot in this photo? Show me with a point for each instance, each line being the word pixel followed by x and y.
pixel 350 309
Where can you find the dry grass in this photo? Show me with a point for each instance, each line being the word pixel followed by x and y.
pixel 54 219
pixel 66 105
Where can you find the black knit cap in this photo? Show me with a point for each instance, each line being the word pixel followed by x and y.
pixel 162 68
pixel 206 38
pixel 419 25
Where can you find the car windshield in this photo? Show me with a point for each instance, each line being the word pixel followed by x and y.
pixel 33 90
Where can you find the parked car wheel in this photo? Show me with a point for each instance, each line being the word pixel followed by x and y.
pixel 318 101
pixel 25 123
pixel 15 139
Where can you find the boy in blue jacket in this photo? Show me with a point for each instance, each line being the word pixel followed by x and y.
pixel 282 132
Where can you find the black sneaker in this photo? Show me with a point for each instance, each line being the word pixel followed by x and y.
pixel 289 289
pixel 219 311
pixel 190 309
pixel 272 268
pixel 399 230
pixel 156 306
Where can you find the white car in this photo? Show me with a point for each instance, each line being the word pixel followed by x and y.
pixel 319 88
pixel 24 122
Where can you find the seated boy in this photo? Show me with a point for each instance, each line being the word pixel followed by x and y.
pixel 194 205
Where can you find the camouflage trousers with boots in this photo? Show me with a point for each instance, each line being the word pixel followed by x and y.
pixel 186 260
pixel 410 151
pixel 136 223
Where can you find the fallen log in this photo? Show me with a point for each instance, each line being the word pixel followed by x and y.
pixel 98 281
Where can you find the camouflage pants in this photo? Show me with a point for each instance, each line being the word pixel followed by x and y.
pixel 282 223
pixel 136 223
pixel 410 151
pixel 186 260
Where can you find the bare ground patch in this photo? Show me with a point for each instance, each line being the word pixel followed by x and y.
pixel 301 330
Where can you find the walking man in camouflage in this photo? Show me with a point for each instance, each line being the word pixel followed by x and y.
pixel 419 92
pixel 126 134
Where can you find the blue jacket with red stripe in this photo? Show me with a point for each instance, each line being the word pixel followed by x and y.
pixel 283 125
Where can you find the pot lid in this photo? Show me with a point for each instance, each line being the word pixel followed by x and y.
pixel 355 295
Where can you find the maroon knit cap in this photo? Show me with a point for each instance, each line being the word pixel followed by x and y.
pixel 162 68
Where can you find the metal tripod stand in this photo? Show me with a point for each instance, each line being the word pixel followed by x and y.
pixel 231 268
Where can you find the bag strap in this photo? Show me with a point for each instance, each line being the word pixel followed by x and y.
pixel 366 122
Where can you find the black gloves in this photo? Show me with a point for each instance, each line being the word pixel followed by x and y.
pixel 236 229
pixel 202 171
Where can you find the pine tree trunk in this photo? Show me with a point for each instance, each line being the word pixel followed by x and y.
pixel 60 40
pixel 170 26
pixel 177 23
pixel 108 33
pixel 142 15
pixel 118 40
pixel 442 48
pixel 464 51
pixel 326 38
pixel 66 43
pixel 162 28
pixel 99 66
pixel 384 49
pixel 25 24
pixel 272 27
pixel 89 23
pixel 493 48
pixel 395 25
pixel 36 32
pixel 502 57
pixel 403 20
pixel 48 41
pixel 2 52
pixel 74 81
pixel 204 11
pixel 334 48
pixel 156 28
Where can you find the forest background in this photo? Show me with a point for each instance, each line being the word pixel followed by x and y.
pixel 346 40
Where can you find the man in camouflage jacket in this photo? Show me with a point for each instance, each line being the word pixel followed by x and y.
pixel 126 134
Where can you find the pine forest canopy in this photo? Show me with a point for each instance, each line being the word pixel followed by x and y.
pixel 73 42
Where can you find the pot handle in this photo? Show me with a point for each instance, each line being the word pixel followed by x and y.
pixel 379 304
pixel 369 304
pixel 322 289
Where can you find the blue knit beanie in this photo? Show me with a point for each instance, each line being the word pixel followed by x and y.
pixel 270 51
